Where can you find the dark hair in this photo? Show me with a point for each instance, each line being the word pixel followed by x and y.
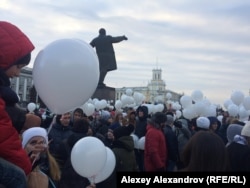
pixel 205 151
pixel 81 126
pixel 79 110
pixel 159 117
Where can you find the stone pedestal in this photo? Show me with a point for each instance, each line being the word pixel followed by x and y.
pixel 107 93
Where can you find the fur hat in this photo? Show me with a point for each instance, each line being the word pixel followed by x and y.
pixel 203 122
pixel 32 132
pixel 246 129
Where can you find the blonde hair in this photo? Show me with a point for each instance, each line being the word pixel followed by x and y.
pixel 54 168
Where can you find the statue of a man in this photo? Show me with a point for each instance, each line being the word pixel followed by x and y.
pixel 105 52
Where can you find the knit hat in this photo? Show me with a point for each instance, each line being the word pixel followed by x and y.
pixel 32 132
pixel 232 130
pixel 203 122
pixel 123 131
pixel 15 46
pixel 246 129
pixel 105 115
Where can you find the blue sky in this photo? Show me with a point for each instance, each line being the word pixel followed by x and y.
pixel 199 44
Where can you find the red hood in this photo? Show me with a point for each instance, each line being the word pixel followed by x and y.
pixel 14 44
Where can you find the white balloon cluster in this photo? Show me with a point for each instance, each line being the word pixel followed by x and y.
pixel 238 105
pixel 196 105
pixel 99 161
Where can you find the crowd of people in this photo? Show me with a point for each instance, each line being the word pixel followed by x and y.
pixel 36 153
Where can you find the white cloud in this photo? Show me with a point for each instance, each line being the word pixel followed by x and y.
pixel 198 44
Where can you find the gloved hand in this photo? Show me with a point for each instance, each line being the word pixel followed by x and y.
pixel 125 38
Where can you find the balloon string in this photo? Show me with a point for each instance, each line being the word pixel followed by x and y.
pixel 92 179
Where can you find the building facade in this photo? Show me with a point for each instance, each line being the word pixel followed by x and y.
pixel 154 92
pixel 22 85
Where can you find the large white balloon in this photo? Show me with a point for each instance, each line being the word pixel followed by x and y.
pixel 66 74
pixel 88 156
pixel 107 170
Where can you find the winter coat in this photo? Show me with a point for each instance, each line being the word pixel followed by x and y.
pixel 123 149
pixel 239 156
pixel 171 143
pixel 155 152
pixel 14 46
pixel 58 133
pixel 70 178
pixel 10 143
pixel 141 122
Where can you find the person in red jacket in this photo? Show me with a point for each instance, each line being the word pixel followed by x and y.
pixel 155 152
pixel 15 53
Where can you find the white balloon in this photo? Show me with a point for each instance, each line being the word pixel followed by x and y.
pixel 88 156
pixel 136 139
pixel 66 74
pixel 89 109
pixel 199 108
pixel 104 103
pixel 246 102
pixel 189 112
pixel 118 104
pixel 233 110
pixel 197 95
pixel 237 97
pixel 31 107
pixel 227 102
pixel 169 96
pixel 220 117
pixel 243 114
pixel 178 113
pixel 141 143
pixel 107 170
pixel 129 92
pixel 185 101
